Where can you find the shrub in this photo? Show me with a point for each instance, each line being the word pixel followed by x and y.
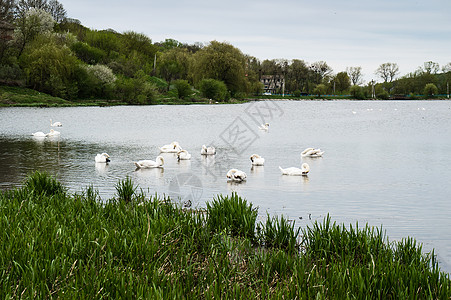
pixel 430 90
pixel 183 88
pixel 213 89
pixel 384 95
pixel 356 92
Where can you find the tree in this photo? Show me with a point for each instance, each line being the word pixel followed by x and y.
pixel 297 76
pixel 174 64
pixel 183 89
pixel 387 71
pixel 431 67
pixel 446 68
pixel 7 8
pixel 430 90
pixel 57 11
pixel 213 89
pixel 342 81
pixel 320 89
pixel 220 61
pixel 34 22
pixel 50 68
pixel 355 74
pixel 320 71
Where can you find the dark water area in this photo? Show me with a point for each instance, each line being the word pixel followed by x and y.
pixel 385 163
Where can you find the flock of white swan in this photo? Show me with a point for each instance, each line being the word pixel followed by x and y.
pixel 233 175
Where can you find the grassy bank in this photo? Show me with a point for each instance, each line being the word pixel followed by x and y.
pixel 61 245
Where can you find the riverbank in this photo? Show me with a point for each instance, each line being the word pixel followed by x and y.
pixel 24 97
pixel 56 244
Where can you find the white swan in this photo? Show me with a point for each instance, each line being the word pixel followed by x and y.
pixel 312 152
pixel 257 160
pixel 173 147
pixel 102 158
pixel 305 168
pixel 264 127
pixel 236 175
pixel 207 150
pixel 39 134
pixel 183 155
pixel 53 133
pixel 147 164
pixel 56 124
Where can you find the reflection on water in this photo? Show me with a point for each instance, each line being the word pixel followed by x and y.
pixel 386 163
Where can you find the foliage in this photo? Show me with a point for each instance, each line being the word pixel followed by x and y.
pixel 43 184
pixel 383 94
pixel 51 68
pixel 213 89
pixel 220 61
pixel 88 54
pixel 233 215
pixel 387 71
pixel 138 90
pixel 430 90
pixel 356 92
pixel 126 190
pixel 280 234
pixel 182 88
pixel 320 89
pixel 342 82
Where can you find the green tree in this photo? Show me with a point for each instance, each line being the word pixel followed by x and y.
pixel 34 22
pixel 342 82
pixel 430 90
pixel 320 89
pixel 182 88
pixel 220 61
pixel 174 64
pixel 50 68
pixel 213 89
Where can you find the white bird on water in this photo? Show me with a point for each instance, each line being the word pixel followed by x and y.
pixel 264 127
pixel 257 160
pixel 173 147
pixel 183 155
pixel 53 133
pixel 147 164
pixel 207 150
pixel 56 124
pixel 39 134
pixel 312 152
pixel 293 171
pixel 102 158
pixel 236 175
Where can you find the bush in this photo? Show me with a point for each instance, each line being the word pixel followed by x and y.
pixel 126 190
pixel 183 88
pixel 384 95
pixel 88 54
pixel 357 92
pixel 430 90
pixel 213 89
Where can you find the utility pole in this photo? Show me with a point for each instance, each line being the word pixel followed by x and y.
pixel 447 89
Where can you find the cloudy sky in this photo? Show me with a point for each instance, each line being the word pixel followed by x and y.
pixel 344 33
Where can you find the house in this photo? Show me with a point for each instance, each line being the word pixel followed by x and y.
pixel 273 84
pixel 6 31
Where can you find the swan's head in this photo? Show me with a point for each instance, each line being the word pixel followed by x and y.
pixel 267 124
pixel 204 147
pixel 230 173
pixel 107 157
pixel 160 159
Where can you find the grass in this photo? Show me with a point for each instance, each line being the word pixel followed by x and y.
pixel 60 245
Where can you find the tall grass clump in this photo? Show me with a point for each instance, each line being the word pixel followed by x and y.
pixel 232 214
pixel 279 233
pixel 43 184
pixel 126 190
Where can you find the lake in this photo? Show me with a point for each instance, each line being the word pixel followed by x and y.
pixel 386 163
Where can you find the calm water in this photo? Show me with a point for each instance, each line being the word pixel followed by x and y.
pixel 386 163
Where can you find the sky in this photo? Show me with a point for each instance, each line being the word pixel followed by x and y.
pixel 346 33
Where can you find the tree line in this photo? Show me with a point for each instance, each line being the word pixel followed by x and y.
pixel 51 53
